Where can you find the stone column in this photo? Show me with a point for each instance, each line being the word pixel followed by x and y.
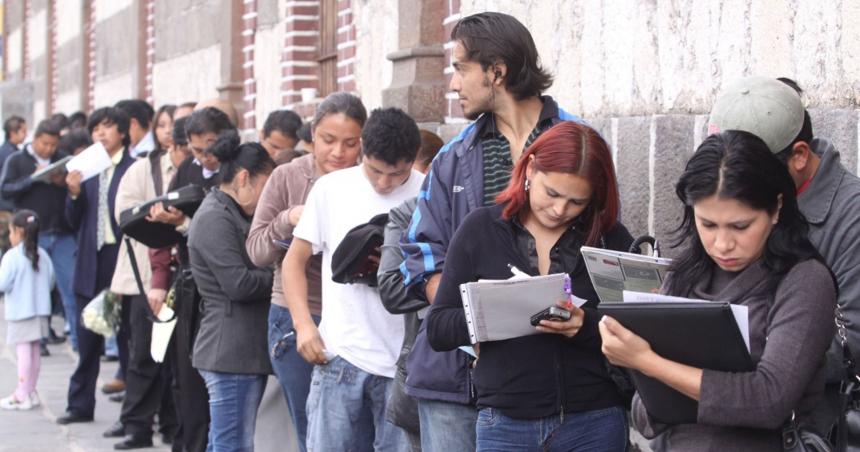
pixel 418 84
pixel 231 87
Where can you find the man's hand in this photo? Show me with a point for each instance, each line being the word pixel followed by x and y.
pixel 170 215
pixel 432 286
pixel 309 343
pixel 568 327
pixel 295 214
pixel 73 180
pixel 156 298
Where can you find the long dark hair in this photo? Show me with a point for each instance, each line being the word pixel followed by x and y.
pixel 169 110
pixel 738 165
pixel 28 221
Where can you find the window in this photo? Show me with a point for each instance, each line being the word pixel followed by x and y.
pixel 327 52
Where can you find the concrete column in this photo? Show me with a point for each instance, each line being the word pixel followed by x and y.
pixel 231 53
pixel 418 83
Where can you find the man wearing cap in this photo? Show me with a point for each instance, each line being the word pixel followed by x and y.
pixel 827 194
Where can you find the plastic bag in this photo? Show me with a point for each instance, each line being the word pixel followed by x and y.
pixel 102 314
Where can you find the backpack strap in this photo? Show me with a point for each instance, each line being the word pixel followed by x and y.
pixel 155 169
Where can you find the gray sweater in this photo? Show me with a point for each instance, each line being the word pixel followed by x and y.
pixel 790 331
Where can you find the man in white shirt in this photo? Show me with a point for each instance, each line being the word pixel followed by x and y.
pixel 356 346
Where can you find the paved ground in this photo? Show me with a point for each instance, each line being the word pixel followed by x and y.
pixel 37 430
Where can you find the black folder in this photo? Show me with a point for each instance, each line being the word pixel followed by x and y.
pixel 703 335
pixel 133 222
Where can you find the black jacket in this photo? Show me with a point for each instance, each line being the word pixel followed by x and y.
pixel 46 199
pixel 533 376
pixel 6 151
pixel 235 294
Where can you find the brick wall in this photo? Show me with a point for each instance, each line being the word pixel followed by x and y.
pixel 249 85
pixel 298 60
pixel 345 47
pixel 454 114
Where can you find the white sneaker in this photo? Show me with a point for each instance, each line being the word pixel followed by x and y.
pixel 34 399
pixel 12 404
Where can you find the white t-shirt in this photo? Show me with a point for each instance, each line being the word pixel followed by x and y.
pixel 355 325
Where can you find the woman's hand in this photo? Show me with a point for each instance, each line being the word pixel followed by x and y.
pixel 621 346
pixel 568 327
pixel 295 214
pixel 309 344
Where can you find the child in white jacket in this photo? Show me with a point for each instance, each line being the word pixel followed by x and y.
pixel 26 278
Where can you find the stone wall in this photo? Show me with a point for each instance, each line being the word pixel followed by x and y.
pixel 646 72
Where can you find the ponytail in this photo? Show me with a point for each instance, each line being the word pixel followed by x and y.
pixel 28 221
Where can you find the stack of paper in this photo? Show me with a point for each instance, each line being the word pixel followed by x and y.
pixel 613 272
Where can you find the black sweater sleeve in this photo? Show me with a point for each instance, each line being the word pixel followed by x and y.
pixel 446 321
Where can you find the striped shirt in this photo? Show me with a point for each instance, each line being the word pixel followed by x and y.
pixel 498 162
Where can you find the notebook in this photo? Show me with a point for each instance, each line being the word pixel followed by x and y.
pixel 501 309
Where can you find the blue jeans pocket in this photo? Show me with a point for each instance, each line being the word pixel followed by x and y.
pixel 282 336
pixel 487 417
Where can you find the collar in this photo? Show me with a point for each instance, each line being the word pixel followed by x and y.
pixel 306 166
pixel 817 198
pixel 145 145
pixel 548 112
pixel 29 148
pixel 116 158
pixel 207 173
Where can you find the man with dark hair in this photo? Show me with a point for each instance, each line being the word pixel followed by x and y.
pixel 90 211
pixel 828 195
pixel 356 336
pixel 46 197
pixel 77 121
pixel 15 129
pixel 499 81
pixel 140 116
pixel 74 142
pixel 198 132
pixel 280 132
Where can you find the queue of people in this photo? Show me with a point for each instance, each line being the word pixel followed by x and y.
pixel 273 274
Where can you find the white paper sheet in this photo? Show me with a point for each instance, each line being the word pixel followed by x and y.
pixel 90 162
pixel 741 313
pixel 161 333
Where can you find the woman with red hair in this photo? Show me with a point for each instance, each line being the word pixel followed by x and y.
pixel 549 391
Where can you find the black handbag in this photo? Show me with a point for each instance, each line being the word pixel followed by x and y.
pixel 846 433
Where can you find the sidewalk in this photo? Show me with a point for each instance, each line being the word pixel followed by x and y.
pixel 36 430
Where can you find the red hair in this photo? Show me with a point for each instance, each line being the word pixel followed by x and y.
pixel 572 148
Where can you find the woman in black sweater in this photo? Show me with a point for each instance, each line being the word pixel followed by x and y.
pixel 547 391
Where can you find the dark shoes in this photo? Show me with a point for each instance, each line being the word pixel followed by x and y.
pixel 115 431
pixel 43 350
pixel 134 442
pixel 118 397
pixel 54 339
pixel 71 418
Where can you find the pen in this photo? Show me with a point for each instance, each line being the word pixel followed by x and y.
pixel 517 272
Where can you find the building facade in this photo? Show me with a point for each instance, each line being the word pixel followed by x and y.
pixel 642 72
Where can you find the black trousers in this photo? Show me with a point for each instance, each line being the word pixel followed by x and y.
pixel 190 394
pixel 145 380
pixel 82 384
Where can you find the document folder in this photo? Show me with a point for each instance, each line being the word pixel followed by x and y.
pixel 703 335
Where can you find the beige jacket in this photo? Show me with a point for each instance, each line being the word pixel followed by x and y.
pixel 136 187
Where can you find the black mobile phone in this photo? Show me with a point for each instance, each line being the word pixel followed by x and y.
pixel 551 313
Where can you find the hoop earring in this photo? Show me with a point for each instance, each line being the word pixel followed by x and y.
pixel 526 185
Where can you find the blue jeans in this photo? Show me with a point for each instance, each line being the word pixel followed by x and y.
pixel 446 427
pixel 62 248
pixel 293 372
pixel 346 411
pixel 233 403
pixel 602 430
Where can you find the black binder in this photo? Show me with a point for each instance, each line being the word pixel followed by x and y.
pixel 703 335
pixel 133 222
